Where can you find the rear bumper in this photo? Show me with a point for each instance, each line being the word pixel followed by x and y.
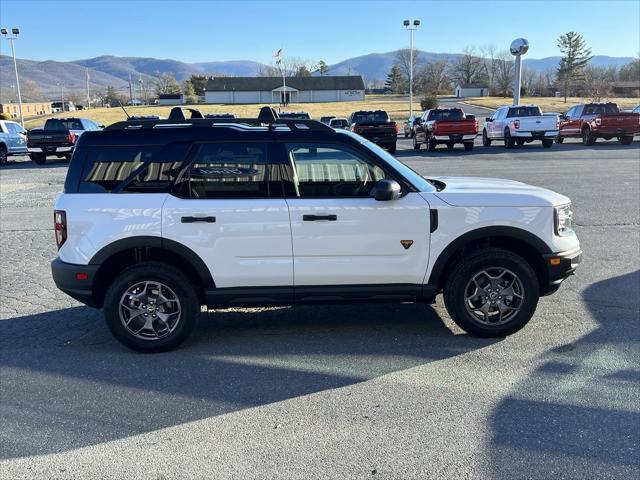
pixel 381 139
pixel 616 131
pixel 560 266
pixel 537 135
pixel 65 276
pixel 456 137
pixel 50 150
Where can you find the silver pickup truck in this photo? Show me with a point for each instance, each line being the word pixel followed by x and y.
pixel 520 124
pixel 13 140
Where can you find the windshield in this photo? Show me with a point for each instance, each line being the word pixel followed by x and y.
pixel 370 117
pixel 452 114
pixel 524 112
pixel 414 178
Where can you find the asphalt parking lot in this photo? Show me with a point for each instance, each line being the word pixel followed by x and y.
pixel 362 391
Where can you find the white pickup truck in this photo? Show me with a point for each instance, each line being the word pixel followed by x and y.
pixel 516 125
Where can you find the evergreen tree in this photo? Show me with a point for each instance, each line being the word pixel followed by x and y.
pixel 323 68
pixel 189 92
pixel 575 57
pixel 395 80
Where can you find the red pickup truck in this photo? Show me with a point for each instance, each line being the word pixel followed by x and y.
pixel 591 121
pixel 445 125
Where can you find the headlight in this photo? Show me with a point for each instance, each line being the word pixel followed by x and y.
pixel 563 217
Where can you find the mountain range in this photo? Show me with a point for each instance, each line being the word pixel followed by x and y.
pixel 49 75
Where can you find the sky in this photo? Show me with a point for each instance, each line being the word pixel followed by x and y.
pixel 198 31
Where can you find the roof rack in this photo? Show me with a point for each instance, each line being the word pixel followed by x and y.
pixel 266 120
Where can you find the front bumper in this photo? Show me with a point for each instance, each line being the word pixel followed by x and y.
pixel 69 278
pixel 560 266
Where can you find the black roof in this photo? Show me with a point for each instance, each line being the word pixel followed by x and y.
pixel 252 84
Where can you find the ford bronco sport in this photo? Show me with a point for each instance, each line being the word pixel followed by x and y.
pixel 161 219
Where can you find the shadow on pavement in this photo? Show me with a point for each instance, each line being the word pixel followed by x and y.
pixel 62 392
pixel 577 416
pixel 26 164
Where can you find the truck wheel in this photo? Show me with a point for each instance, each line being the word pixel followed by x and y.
pixel 508 139
pixel 491 293
pixel 450 145
pixel 547 142
pixel 392 148
pixel 416 145
pixel 432 144
pixel 39 158
pixel 468 146
pixel 486 141
pixel 588 138
pixel 520 141
pixel 626 140
pixel 559 139
pixel 151 307
pixel 3 155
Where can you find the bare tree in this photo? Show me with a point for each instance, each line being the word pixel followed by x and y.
pixel 403 60
pixel 166 84
pixel 529 81
pixel 596 82
pixel 468 67
pixel 504 73
pixel 289 66
pixel 488 53
pixel 432 77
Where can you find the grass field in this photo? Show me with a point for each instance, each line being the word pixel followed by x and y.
pixel 548 104
pixel 396 105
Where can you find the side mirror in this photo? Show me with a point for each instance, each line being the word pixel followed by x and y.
pixel 488 119
pixel 385 190
pixel 101 125
pixel 562 116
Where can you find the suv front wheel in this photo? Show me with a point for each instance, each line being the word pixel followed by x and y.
pixel 492 293
pixel 151 307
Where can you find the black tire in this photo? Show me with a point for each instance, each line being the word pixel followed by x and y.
pixel 39 158
pixel 628 140
pixel 416 145
pixel 450 145
pixel 455 291
pixel 406 135
pixel 392 148
pixel 176 281
pixel 3 155
pixel 509 141
pixel 486 141
pixel 547 142
pixel 588 138
pixel 520 141
pixel 559 139
pixel 468 146
pixel 432 144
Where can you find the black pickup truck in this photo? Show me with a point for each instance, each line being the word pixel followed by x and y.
pixel 58 137
pixel 375 126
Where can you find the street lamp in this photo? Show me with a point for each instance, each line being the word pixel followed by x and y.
pixel 411 27
pixel 14 35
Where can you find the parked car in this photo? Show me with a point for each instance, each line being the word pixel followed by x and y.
pixel 591 121
pixel 294 115
pixel 409 125
pixel 339 123
pixel 375 126
pixel 516 125
pixel 445 126
pixel 13 140
pixel 327 118
pixel 156 224
pixel 58 137
pixel 62 107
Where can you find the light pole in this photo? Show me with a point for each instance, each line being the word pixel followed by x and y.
pixel 407 24
pixel 61 85
pixel 519 47
pixel 15 32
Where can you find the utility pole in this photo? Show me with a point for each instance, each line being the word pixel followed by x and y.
pixel 62 97
pixel 130 90
pixel 15 32
pixel 408 26
pixel 88 94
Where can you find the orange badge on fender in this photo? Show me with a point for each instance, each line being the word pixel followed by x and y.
pixel 406 243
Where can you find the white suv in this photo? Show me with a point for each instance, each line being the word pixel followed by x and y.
pixel 161 219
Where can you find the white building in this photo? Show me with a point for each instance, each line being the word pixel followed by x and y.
pixel 471 90
pixel 294 90
pixel 170 99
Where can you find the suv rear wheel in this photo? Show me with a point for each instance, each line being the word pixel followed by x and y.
pixel 39 158
pixel 3 155
pixel 151 307
pixel 492 293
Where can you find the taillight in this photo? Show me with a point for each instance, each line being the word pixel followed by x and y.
pixel 397 127
pixel 60 226
pixel 72 137
pixel 516 124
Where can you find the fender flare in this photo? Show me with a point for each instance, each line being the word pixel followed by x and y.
pixel 481 233
pixel 148 241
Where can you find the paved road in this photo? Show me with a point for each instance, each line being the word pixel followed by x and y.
pixel 379 391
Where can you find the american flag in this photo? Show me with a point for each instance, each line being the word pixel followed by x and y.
pixel 278 56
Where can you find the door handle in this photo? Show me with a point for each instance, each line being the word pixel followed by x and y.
pixel 314 218
pixel 198 219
